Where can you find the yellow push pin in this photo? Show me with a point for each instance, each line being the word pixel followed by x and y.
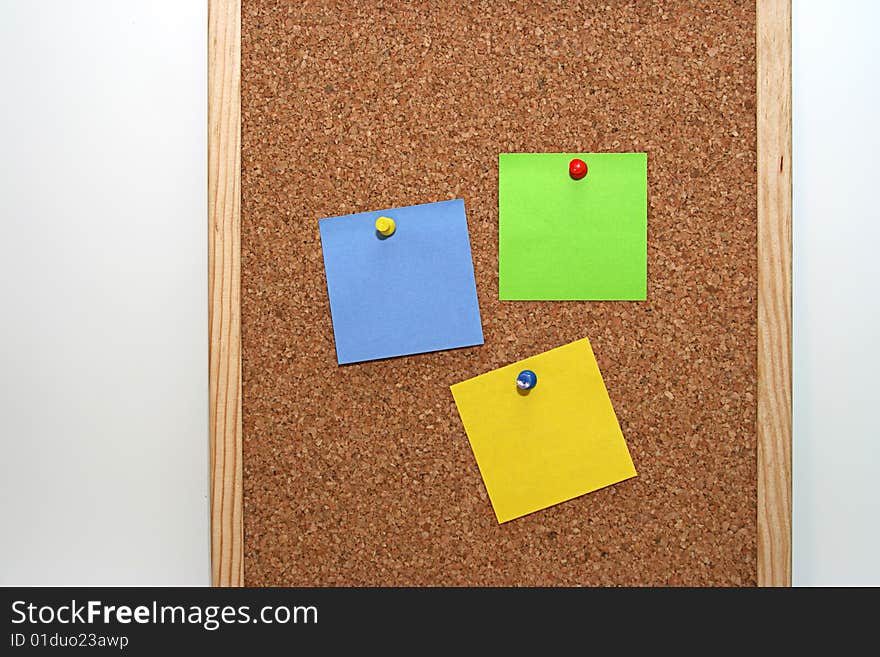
pixel 385 226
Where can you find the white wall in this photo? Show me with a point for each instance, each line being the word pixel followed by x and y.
pixel 103 292
pixel 836 457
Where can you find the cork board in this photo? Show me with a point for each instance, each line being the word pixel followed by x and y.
pixel 362 474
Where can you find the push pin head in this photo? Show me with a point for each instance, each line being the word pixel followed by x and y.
pixel 577 168
pixel 526 380
pixel 385 226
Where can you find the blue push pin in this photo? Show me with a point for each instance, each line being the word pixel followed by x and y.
pixel 526 380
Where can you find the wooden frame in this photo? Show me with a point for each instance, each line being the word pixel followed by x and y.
pixel 774 290
pixel 224 302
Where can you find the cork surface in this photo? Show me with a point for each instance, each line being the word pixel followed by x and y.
pixel 362 474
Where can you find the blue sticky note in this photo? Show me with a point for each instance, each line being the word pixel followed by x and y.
pixel 409 293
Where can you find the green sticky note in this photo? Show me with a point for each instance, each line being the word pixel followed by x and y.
pixel 565 239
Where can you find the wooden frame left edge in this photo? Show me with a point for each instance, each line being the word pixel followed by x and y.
pixel 224 300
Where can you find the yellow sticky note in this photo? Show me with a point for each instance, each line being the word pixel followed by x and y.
pixel 559 440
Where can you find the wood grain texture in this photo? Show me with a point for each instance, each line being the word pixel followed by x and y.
pixel 224 273
pixel 774 292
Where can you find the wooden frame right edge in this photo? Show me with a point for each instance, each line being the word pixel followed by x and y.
pixel 773 51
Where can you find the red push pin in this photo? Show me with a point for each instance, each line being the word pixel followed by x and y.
pixel 577 168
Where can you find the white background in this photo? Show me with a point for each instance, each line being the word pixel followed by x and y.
pixel 103 292
pixel 836 445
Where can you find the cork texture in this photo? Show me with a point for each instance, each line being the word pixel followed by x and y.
pixel 362 474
